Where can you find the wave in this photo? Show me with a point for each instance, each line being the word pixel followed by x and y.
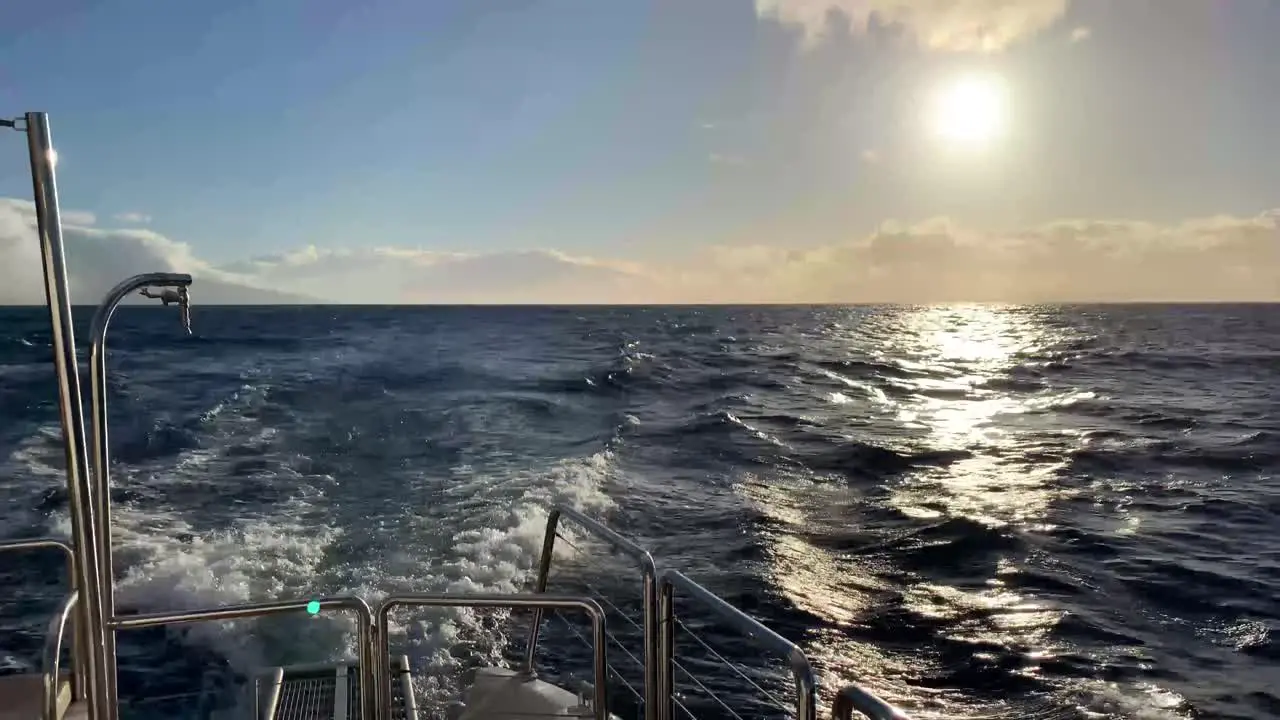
pixel 983 512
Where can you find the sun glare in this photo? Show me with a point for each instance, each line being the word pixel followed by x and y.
pixel 971 110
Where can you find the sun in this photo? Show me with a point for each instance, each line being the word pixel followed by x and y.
pixel 971 110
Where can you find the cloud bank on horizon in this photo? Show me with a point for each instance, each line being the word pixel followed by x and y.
pixel 1204 259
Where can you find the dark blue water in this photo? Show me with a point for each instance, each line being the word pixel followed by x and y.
pixel 978 511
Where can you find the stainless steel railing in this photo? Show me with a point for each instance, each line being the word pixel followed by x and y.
pixel 368 659
pixel 660 625
pixel 50 668
pixel 78 654
pixel 536 601
pixel 856 699
pixel 648 569
pixel 806 686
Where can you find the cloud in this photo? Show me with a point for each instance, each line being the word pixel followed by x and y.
pixel 939 260
pixel 727 159
pixel 954 25
pixel 133 218
pixel 1220 258
pixel 77 217
pixel 1080 34
pixel 97 259
pixel 404 275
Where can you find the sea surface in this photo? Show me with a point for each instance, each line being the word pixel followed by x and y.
pixel 978 511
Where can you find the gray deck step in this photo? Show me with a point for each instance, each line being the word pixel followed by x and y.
pixel 22 698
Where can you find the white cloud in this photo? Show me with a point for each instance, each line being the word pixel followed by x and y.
pixel 75 217
pixel 1220 258
pixel 956 25
pixel 97 258
pixel 727 159
pixel 27 209
pixel 404 275
pixel 1213 258
pixel 1080 34
pixel 133 218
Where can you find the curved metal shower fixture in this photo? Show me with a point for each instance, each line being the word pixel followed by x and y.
pixel 174 289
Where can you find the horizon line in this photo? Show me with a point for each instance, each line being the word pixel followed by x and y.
pixel 1029 303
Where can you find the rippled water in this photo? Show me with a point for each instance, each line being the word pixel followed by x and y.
pixel 978 511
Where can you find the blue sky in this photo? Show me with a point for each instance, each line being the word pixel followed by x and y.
pixel 640 132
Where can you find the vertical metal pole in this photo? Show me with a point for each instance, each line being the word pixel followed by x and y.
pixel 666 650
pixel 79 652
pixel 102 496
pixel 367 653
pixel 651 649
pixel 406 688
pixel 382 651
pixel 600 657
pixel 806 687
pixel 544 569
pixel 70 407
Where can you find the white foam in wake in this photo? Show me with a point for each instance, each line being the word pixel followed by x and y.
pixel 487 531
pixel 496 550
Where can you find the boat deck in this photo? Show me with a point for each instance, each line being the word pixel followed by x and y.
pixel 22 696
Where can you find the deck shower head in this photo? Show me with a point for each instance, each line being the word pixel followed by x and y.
pixel 174 294
pixel 184 306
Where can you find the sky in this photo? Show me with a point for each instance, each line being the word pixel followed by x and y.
pixel 556 151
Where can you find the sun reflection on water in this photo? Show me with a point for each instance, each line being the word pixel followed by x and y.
pixel 964 407
pixel 838 590
pixel 1000 482
pixel 960 389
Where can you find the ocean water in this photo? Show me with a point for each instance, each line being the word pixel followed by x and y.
pixel 978 511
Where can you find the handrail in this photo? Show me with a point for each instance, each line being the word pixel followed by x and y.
pixel 364 634
pixel 538 601
pixel 49 666
pixel 37 544
pixel 649 570
pixel 853 698
pixel 801 670
pixel 78 656
pixel 101 462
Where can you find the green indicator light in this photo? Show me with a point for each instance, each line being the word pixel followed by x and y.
pixel 313 607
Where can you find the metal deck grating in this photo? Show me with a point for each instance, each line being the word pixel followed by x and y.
pixel 315 693
pixel 307 698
